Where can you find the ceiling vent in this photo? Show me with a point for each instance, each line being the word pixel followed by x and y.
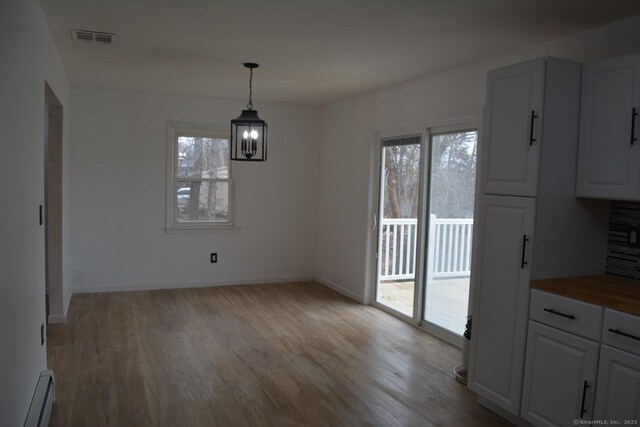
pixel 94 37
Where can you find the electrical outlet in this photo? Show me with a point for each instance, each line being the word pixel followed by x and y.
pixel 42 334
pixel 214 257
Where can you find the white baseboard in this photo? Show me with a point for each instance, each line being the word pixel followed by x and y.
pixel 155 286
pixel 61 318
pixel 56 318
pixel 341 289
pixel 67 301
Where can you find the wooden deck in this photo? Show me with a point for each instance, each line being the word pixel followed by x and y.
pixel 262 355
pixel 446 301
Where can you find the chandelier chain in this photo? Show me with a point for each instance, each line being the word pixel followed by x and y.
pixel 250 104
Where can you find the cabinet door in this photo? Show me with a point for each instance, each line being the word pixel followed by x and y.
pixel 608 160
pixel 513 132
pixel 500 278
pixel 618 394
pixel 560 377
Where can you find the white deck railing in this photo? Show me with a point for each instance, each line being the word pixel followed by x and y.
pixel 448 251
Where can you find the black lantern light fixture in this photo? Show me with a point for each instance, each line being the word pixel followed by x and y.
pixel 249 132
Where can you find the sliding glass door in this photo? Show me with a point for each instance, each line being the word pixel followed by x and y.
pixel 399 196
pixel 427 278
pixel 452 175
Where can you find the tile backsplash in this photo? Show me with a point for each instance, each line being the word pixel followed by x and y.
pixel 623 247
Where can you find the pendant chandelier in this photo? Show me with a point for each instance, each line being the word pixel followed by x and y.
pixel 249 132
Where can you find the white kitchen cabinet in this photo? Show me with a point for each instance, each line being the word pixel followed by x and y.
pixel 609 156
pixel 513 114
pixel 560 377
pixel 506 228
pixel 618 392
pixel 565 338
pixel 527 194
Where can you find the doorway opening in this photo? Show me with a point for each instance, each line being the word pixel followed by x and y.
pixel 426 279
pixel 53 138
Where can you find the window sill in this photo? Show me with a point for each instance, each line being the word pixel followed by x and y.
pixel 202 230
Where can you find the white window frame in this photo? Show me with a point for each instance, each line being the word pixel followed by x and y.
pixel 172 226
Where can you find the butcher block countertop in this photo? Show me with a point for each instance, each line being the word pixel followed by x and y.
pixel 613 292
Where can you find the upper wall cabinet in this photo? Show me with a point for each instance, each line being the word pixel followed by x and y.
pixel 513 117
pixel 609 156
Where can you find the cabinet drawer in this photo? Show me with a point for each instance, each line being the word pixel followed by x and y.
pixel 567 314
pixel 621 330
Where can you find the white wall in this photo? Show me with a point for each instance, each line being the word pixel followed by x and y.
pixel 56 77
pixel 27 58
pixel 348 139
pixel 118 196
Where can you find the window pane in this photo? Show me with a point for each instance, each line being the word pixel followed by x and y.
pixel 200 157
pixel 202 201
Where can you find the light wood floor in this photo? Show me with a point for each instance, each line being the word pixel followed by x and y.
pixel 276 355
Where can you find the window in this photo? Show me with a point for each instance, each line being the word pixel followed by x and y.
pixel 199 184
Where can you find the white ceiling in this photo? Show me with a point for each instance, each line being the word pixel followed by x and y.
pixel 310 51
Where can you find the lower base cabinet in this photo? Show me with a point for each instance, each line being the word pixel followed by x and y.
pixel 582 364
pixel 618 393
pixel 560 377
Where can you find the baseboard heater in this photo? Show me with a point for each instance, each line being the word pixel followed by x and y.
pixel 42 402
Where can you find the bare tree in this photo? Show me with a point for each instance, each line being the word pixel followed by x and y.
pixel 453 172
pixel 401 178
pixel 203 158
